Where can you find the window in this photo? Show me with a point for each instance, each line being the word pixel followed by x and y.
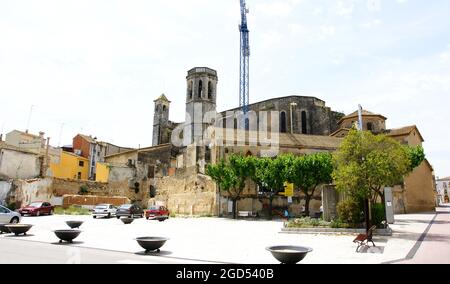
pixel 191 90
pixel 304 123
pixel 81 163
pixel 164 108
pixel 79 175
pixel 210 90
pixel 152 191
pixel 151 172
pixel 200 89
pixel 3 210
pixel 283 124
pixel 369 126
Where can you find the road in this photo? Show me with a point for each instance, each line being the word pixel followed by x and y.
pixel 433 247
pixel 19 251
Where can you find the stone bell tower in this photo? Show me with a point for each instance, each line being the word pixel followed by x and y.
pixel 161 133
pixel 200 99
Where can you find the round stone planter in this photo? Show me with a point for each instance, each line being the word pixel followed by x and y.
pixel 74 224
pixel 127 221
pixel 151 244
pixel 18 229
pixel 3 229
pixel 67 235
pixel 289 254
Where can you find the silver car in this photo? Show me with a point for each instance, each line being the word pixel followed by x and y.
pixel 104 210
pixel 7 216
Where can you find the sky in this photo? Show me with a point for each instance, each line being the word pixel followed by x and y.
pixel 95 66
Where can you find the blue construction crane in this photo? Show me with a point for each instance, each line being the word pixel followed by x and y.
pixel 244 95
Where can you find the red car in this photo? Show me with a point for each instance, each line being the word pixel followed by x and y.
pixel 159 213
pixel 37 209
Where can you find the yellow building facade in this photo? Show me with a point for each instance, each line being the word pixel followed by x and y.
pixel 102 171
pixel 70 166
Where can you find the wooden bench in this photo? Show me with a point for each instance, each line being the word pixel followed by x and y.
pixel 246 214
pixel 364 239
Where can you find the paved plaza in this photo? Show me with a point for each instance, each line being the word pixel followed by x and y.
pixel 215 240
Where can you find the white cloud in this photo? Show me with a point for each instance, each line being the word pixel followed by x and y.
pixel 345 7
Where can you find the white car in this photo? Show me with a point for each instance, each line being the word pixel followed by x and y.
pixel 7 216
pixel 104 210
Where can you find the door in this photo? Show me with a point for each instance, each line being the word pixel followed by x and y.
pixel 46 208
pixel 4 215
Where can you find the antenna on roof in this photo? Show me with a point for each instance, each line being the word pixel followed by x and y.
pixel 29 118
pixel 60 134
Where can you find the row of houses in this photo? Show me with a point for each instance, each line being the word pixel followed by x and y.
pixel 25 156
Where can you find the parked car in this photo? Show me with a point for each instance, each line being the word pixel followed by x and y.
pixel 104 210
pixel 159 213
pixel 129 210
pixel 8 216
pixel 37 209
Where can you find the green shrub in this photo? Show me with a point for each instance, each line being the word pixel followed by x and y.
pixel 350 211
pixel 338 224
pixel 84 189
pixel 72 210
pixel 12 206
pixel 307 222
pixel 172 215
pixel 378 214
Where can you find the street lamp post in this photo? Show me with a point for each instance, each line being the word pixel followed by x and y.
pixel 366 200
pixel 292 119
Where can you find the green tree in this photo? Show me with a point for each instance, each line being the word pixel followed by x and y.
pixel 308 172
pixel 231 175
pixel 270 174
pixel 416 156
pixel 366 163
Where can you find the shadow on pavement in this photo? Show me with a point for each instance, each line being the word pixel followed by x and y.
pixel 67 244
pixel 372 250
pixel 162 253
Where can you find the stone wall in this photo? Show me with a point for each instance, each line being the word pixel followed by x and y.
pixel 320 120
pixel 191 195
pixel 27 191
pixel 5 187
pixel 49 189
pixel 92 201
pixel 19 165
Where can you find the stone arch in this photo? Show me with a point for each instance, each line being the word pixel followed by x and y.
pixel 200 89
pixel 210 90
pixel 191 90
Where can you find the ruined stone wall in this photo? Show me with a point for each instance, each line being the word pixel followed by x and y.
pixel 190 195
pixel 19 165
pixel 27 191
pixel 49 189
pixel 92 201
pixel 5 187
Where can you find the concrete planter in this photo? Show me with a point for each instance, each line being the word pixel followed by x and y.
pixel 67 235
pixel 74 224
pixel 3 229
pixel 151 244
pixel 289 254
pixel 18 229
pixel 379 232
pixel 127 221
